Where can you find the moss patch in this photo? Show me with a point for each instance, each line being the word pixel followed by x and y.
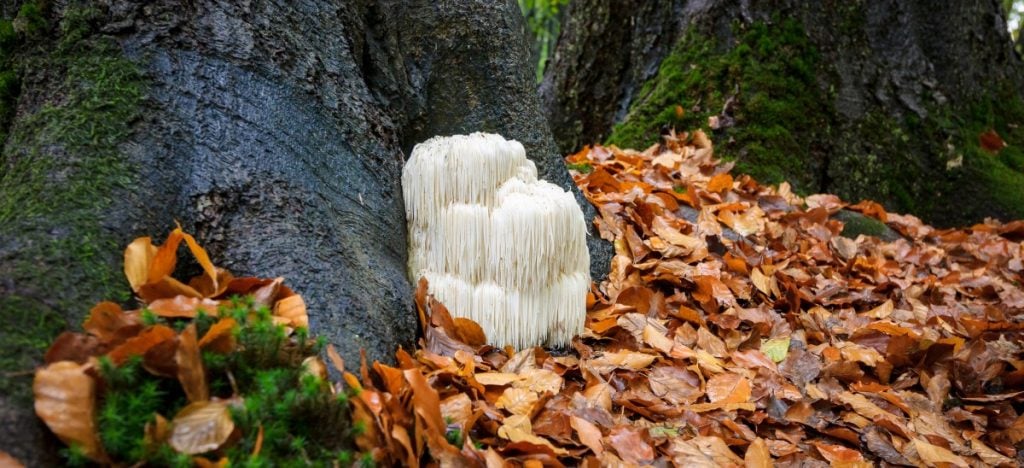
pixel 785 127
pixel 769 75
pixel 59 170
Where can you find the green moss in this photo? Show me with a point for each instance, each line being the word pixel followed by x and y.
pixel 59 170
pixel 770 73
pixel 301 422
pixel 31 19
pixel 855 224
pixel 786 126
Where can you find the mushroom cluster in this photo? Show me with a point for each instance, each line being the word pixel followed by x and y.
pixel 496 244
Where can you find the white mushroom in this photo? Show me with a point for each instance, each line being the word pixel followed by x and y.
pixel 496 244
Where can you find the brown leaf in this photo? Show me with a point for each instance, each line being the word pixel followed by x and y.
pixel 720 183
pixel 110 324
pixel 8 461
pixel 183 307
pixel 204 260
pixel 65 399
pixel 191 373
pixel 138 345
pixel 71 346
pixel 728 388
pixel 588 433
pixel 702 451
pixel 200 427
pixel 138 258
pixel 517 401
pixel 991 142
pixel 630 445
pixel 293 309
pixel 220 338
pixel 934 455
pixel 608 362
pixel 427 406
pixel 517 428
pixel 757 455
pixel 469 332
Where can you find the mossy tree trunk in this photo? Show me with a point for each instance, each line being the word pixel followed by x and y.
pixel 274 132
pixel 880 99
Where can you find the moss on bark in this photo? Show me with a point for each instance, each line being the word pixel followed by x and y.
pixel 61 168
pixel 768 78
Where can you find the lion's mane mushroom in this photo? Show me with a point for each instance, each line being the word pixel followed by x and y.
pixel 496 244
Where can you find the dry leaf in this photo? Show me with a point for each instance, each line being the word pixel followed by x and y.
pixel 201 427
pixel 517 401
pixel 191 372
pixel 65 399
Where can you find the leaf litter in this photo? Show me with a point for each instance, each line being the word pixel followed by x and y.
pixel 736 328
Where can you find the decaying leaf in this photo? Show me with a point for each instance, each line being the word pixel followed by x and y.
pixel 65 399
pixel 201 427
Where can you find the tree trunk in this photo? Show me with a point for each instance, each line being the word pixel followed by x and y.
pixel 879 99
pixel 274 131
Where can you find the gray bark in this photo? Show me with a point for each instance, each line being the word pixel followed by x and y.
pixel 878 60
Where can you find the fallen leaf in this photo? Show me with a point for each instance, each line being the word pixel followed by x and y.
pixel 934 455
pixel 141 343
pixel 183 306
pixel 200 427
pixel 776 349
pixel 702 451
pixel 757 455
pixel 588 433
pixel 630 445
pixel 517 401
pixel 191 373
pixel 728 388
pixel 991 142
pixel 293 310
pixel 65 399
pixel 220 338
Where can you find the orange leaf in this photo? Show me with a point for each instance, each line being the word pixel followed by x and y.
pixel 203 258
pixel 139 344
pixel 110 324
pixel 166 257
pixel 728 388
pixel 191 373
pixel 469 332
pixel 65 399
pixel 138 257
pixel 588 434
pixel 293 309
pixel 720 182
pixel 427 406
pixel 183 306
pixel 220 338
pixel 757 455
pixel 166 287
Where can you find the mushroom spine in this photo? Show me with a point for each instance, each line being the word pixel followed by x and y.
pixel 496 244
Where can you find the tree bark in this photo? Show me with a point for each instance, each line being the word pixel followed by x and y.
pixel 877 99
pixel 275 131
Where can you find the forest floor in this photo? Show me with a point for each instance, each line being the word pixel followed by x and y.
pixel 750 334
pixel 738 326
